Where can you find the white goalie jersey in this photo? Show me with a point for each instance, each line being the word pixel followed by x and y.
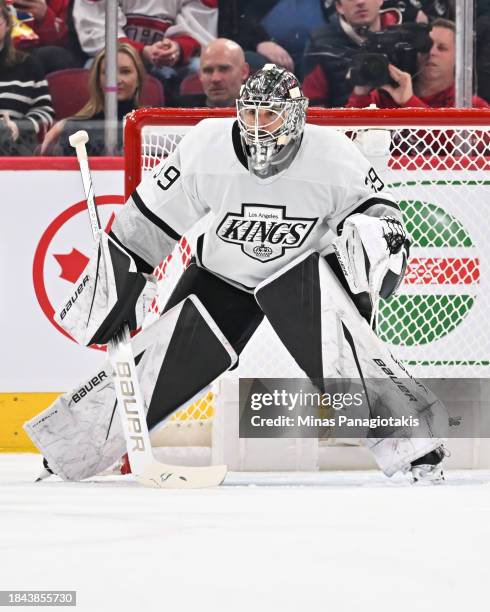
pixel 258 225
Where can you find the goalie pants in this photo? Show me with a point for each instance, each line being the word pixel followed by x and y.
pixel 235 311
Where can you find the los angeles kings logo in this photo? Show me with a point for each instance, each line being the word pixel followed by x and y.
pixel 265 232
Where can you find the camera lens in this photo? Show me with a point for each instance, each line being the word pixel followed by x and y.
pixel 370 69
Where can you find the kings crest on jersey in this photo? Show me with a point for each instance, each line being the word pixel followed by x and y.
pixel 264 232
pixel 257 225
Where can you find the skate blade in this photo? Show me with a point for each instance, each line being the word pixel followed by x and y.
pixel 43 475
pixel 422 474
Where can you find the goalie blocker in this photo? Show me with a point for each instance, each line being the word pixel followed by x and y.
pixel 331 339
pixel 109 293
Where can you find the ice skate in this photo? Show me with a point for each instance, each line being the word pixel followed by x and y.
pixel 428 468
pixel 46 472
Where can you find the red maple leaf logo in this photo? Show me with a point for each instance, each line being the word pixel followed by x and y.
pixel 72 265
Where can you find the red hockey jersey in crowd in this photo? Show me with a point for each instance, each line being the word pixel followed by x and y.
pixel 51 29
pixel 190 23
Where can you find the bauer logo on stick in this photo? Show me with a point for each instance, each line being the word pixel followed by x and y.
pixel 125 379
pixel 265 232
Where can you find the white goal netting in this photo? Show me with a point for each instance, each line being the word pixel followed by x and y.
pixel 438 169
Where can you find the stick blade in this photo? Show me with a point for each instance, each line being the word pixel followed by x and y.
pixel 162 476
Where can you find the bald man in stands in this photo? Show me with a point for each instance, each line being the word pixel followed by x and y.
pixel 222 71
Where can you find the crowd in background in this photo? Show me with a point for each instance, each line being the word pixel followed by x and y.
pixel 199 52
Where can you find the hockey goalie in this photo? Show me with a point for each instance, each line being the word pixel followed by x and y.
pixel 302 232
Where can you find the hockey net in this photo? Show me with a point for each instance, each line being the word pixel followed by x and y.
pixel 435 162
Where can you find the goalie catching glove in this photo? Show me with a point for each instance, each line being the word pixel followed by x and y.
pixel 373 254
pixel 109 293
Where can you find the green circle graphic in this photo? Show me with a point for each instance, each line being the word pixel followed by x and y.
pixel 411 320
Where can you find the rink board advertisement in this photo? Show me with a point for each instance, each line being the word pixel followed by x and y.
pixel 45 242
pixel 440 314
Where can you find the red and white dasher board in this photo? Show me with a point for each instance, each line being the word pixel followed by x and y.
pixel 45 240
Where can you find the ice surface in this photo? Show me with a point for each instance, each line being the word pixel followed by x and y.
pixel 337 542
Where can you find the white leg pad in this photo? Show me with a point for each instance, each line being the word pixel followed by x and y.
pixel 80 434
pixel 323 312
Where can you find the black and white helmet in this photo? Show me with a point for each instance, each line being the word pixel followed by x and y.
pixel 271 113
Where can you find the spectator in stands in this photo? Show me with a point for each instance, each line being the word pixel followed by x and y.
pixel 130 77
pixel 53 45
pixel 26 112
pixel 168 33
pixel 483 49
pixel 410 9
pixel 222 72
pixel 271 30
pixel 437 9
pixel 326 61
pixel 432 87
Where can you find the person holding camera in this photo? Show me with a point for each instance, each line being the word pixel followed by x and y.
pixel 432 84
pixel 330 48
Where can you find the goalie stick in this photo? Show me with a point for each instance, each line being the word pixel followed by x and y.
pixel 147 470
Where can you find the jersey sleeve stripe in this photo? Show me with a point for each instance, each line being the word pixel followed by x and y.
pixel 153 218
